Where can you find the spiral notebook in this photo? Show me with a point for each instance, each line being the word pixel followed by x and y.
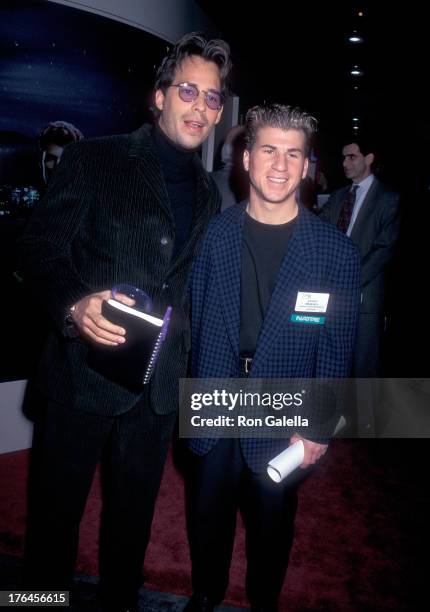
pixel 130 364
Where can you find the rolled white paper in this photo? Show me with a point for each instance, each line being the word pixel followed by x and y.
pixel 340 425
pixel 286 462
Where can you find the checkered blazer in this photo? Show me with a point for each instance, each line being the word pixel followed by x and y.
pixel 318 258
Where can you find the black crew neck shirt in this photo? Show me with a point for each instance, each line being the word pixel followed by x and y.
pixel 263 249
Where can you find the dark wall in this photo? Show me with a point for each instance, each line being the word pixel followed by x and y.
pixel 57 63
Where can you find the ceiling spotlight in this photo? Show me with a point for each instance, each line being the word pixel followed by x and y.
pixel 360 13
pixel 355 86
pixel 355 119
pixel 355 39
pixel 356 71
pixel 355 127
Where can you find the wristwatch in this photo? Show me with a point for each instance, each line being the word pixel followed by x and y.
pixel 70 329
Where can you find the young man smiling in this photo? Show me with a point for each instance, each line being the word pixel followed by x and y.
pixel 122 209
pixel 258 260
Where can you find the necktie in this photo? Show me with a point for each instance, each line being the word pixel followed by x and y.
pixel 346 210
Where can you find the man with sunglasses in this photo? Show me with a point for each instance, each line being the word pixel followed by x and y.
pixel 122 209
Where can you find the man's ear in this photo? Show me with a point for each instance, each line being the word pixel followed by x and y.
pixel 159 99
pixel 218 119
pixel 305 168
pixel 246 160
pixel 369 159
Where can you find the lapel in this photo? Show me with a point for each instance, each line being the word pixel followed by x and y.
pixel 145 160
pixel 204 196
pixel 338 205
pixel 365 210
pixel 206 204
pixel 296 274
pixel 227 263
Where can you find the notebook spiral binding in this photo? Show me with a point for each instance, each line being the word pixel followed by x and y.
pixel 157 347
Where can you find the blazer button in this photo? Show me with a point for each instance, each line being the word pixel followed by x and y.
pixel 164 241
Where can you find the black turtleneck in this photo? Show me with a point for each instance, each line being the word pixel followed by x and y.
pixel 177 165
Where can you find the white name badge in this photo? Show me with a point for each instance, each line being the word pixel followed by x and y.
pixel 311 302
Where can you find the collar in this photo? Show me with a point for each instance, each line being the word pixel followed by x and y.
pixel 365 183
pixel 170 153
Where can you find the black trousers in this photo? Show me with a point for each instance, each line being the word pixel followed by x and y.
pixel 67 446
pixel 367 354
pixel 217 485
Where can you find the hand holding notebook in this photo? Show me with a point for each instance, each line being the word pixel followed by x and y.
pixel 130 364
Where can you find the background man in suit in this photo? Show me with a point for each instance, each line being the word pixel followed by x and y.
pixel 368 212
pixel 122 209
pixel 256 258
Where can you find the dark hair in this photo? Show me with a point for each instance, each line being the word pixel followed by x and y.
pixel 367 145
pixel 364 143
pixel 60 133
pixel 278 116
pixel 195 43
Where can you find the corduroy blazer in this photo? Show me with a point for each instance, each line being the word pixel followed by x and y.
pixel 318 258
pixel 106 219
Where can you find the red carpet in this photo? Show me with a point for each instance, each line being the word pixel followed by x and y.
pixel 355 538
